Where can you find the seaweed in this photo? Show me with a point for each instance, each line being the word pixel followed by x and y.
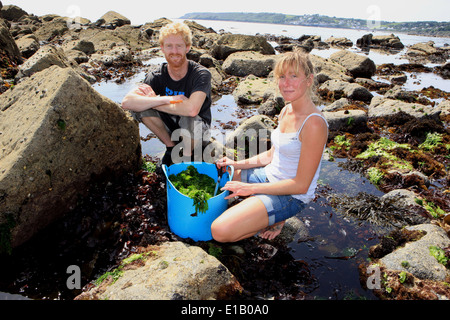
pixel 197 186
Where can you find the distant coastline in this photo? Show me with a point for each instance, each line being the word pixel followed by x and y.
pixel 421 28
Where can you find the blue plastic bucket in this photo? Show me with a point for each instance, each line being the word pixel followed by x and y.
pixel 180 208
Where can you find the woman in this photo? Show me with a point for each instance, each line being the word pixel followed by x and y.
pixel 282 180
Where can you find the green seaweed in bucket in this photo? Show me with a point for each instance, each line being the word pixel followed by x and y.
pixel 197 186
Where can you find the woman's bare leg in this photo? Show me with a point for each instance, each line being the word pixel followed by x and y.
pixel 241 221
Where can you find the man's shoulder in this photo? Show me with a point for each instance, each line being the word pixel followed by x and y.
pixel 197 67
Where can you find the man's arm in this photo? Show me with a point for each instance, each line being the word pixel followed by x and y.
pixel 143 98
pixel 188 107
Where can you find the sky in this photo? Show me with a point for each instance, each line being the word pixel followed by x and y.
pixel 140 12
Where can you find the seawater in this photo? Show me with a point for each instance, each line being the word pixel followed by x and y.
pixel 331 234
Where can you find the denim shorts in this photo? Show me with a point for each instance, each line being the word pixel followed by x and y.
pixel 279 208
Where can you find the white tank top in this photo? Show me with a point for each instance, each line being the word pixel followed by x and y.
pixel 286 156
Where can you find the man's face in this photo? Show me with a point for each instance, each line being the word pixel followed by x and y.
pixel 175 50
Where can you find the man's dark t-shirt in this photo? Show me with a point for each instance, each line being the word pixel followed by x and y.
pixel 198 78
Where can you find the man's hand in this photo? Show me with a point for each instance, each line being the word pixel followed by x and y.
pixel 145 90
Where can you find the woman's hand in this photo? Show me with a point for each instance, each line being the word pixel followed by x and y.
pixel 224 162
pixel 238 189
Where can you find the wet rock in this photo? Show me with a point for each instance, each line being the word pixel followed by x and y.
pixel 420 262
pixel 231 43
pixel 358 65
pixel 172 271
pixel 58 136
pixel 242 64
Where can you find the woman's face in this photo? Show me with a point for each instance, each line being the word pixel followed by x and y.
pixel 292 85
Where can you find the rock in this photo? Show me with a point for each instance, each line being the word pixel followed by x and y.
pixel 242 64
pixel 358 65
pixel 12 12
pixel 444 109
pixel 444 70
pixel 251 137
pixel 254 90
pixel 57 135
pixel 272 106
pixel 82 45
pixel 116 54
pixel 404 198
pixel 415 256
pixel 112 20
pixel 327 69
pixel 385 42
pixel 340 120
pixel 172 271
pixel 424 52
pixel 231 43
pixel 7 44
pixel 49 30
pixel 383 107
pixel 339 42
pixel 28 45
pixel 337 89
pixel 338 104
pixel 46 57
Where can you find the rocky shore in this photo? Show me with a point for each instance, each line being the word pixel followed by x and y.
pixel 61 140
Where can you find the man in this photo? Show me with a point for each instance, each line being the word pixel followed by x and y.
pixel 175 101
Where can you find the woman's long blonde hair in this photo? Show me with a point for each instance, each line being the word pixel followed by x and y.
pixel 300 63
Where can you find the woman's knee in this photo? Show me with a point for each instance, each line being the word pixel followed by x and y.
pixel 221 232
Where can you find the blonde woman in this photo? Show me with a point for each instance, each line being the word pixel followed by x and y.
pixel 281 181
pixel 176 96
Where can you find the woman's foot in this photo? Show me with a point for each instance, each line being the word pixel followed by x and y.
pixel 271 232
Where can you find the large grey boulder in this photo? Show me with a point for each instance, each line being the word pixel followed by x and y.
pixel 57 135
pixel 384 107
pixel 327 69
pixel 358 65
pixel 242 64
pixel 172 271
pixel 231 43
